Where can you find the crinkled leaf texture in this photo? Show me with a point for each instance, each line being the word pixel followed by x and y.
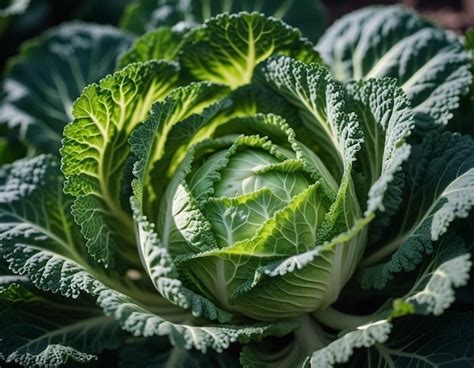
pixel 422 234
pixel 39 239
pixel 179 105
pixel 385 123
pixel 375 102
pixel 141 322
pixel 95 152
pixel 148 152
pixel 42 82
pixel 160 44
pixel 439 191
pixel 181 121
pixel 424 342
pixel 38 331
pixel 244 94
pixel 430 64
pixel 382 333
pixel 37 234
pixel 245 38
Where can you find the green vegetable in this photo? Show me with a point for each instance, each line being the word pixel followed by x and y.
pixel 42 82
pixel 226 192
pixel 391 41
pixel 13 7
pixel 145 15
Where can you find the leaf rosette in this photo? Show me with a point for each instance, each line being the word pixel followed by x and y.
pixel 223 187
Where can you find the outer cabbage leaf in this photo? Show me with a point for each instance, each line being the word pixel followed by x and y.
pixel 144 15
pixel 7 278
pixel 320 104
pixel 227 48
pixel 386 121
pixel 13 7
pixel 431 294
pixel 50 72
pixel 39 332
pixel 172 124
pixel 413 342
pixel 171 127
pixel 140 321
pixel 373 344
pixel 47 247
pixel 424 342
pixel 161 44
pixel 430 64
pixel 95 152
pixel 39 238
pixel 439 189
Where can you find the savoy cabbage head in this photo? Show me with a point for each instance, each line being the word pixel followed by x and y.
pixel 235 195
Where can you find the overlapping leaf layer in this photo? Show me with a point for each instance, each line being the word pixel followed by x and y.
pixel 235 190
